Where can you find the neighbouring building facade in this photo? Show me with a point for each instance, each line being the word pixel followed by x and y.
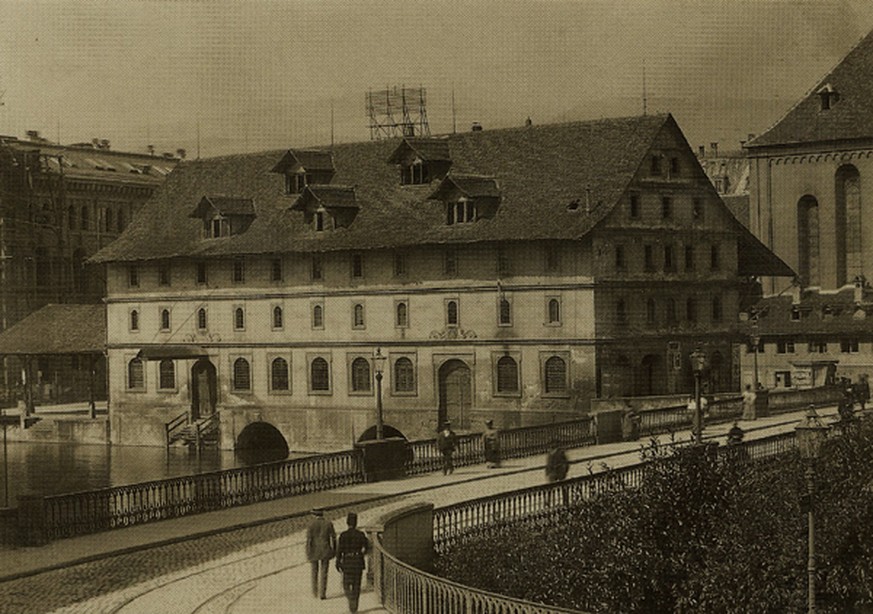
pixel 810 177
pixel 60 204
pixel 508 274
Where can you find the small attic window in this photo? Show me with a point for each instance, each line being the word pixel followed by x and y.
pixel 295 182
pixel 461 212
pixel 223 216
pixel 322 220
pixel 414 173
pixel 217 228
pixel 795 314
pixel 828 97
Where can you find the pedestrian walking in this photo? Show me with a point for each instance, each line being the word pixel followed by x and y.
pixel 862 392
pixel 447 441
pixel 491 443
pixel 630 425
pixel 350 551
pixel 695 416
pixel 557 464
pixel 750 399
pixel 320 549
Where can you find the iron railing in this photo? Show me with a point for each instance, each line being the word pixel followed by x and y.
pixel 174 426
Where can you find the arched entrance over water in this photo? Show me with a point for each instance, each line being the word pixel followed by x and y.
pixel 204 391
pixel 261 442
pixel 456 393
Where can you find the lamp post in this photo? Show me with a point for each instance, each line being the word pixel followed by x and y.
pixel 379 365
pixel 810 435
pixel 698 364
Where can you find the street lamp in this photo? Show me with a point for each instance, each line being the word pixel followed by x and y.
pixel 379 365
pixel 810 435
pixel 698 364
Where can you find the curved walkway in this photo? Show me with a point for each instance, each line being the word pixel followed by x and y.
pixel 274 577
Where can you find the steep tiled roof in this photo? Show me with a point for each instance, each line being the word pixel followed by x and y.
pixel 850 117
pixel 540 169
pixel 831 314
pixel 226 205
pixel 57 329
pixel 309 159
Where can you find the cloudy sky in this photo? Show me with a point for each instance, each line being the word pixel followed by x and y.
pixel 262 74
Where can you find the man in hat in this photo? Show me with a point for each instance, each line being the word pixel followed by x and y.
pixel 320 548
pixel 491 443
pixel 447 441
pixel 350 551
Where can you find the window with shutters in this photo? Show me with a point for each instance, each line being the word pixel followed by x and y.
pixel 361 379
pixel 319 375
pixel 404 375
pixel 167 375
pixel 242 375
pixel 279 380
pixel 135 374
pixel 507 375
pixel 555 376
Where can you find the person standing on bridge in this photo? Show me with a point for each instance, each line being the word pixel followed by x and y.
pixel 320 549
pixel 350 551
pixel 447 441
pixel 491 443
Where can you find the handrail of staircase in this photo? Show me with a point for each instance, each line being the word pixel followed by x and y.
pixel 174 425
pixel 205 427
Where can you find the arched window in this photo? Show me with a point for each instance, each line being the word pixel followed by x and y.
pixel 404 375
pixel 84 218
pixel 242 374
pixel 71 217
pixel 848 231
pixel 317 316
pixel 135 374
pixel 402 315
pixel 277 317
pixel 134 319
pixel 319 379
pixel 808 241
pixel 361 375
pixel 554 311
pixel 358 317
pixel 505 312
pixel 167 375
pixel 201 318
pixel 165 319
pixel 556 375
pixel 279 374
pixel 650 311
pixel 507 374
pixel 452 313
pixel 109 225
pixel 239 318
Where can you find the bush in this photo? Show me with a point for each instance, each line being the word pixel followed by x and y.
pixel 703 534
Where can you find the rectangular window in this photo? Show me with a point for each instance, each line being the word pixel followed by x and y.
pixel 634 205
pixel 650 311
pixel 239 271
pixel 691 310
pixel 785 346
pixel 276 269
pixel 655 166
pixel 315 272
pixel 450 262
pixel 357 266
pixel 164 275
pixel 849 346
pixel 216 228
pixel 399 264
pixel 649 258
pixel 717 310
pixel 201 273
pixel 503 267
pixel 666 206
pixel 689 257
pixel 750 346
pixel 619 258
pixel 621 311
pixel 553 258
pixel 697 209
pixel 674 167
pixel 669 264
pixel 714 258
pixel 133 276
pixel 817 347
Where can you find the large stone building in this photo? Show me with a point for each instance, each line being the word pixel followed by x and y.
pixel 810 177
pixel 58 206
pixel 512 274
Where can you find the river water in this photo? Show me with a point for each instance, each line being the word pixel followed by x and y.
pixel 54 468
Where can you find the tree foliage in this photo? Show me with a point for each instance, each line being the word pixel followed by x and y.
pixel 705 533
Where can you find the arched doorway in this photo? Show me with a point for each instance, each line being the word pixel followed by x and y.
pixel 652 377
pixel 456 393
pixel 261 442
pixel 203 389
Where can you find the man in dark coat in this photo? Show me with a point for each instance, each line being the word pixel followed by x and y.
pixel 350 551
pixel 447 441
pixel 491 444
pixel 320 548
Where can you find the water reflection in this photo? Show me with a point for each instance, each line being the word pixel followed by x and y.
pixel 49 468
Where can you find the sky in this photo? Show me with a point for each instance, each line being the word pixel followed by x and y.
pixel 226 76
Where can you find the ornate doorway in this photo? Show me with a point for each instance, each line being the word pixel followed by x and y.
pixel 456 393
pixel 203 389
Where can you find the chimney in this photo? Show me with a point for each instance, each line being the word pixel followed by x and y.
pixel 181 153
pixel 151 149
pixel 33 135
pixel 104 144
pixel 701 151
pixel 713 148
pixel 476 127
pixel 95 143
pixel 528 122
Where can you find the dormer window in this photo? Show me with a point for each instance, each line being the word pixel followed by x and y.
pixel 461 212
pixel 303 167
pixel 320 220
pixel 828 97
pixel 224 216
pixel 421 160
pixel 326 207
pixel 468 198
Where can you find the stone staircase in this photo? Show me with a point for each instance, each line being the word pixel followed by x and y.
pixel 205 432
